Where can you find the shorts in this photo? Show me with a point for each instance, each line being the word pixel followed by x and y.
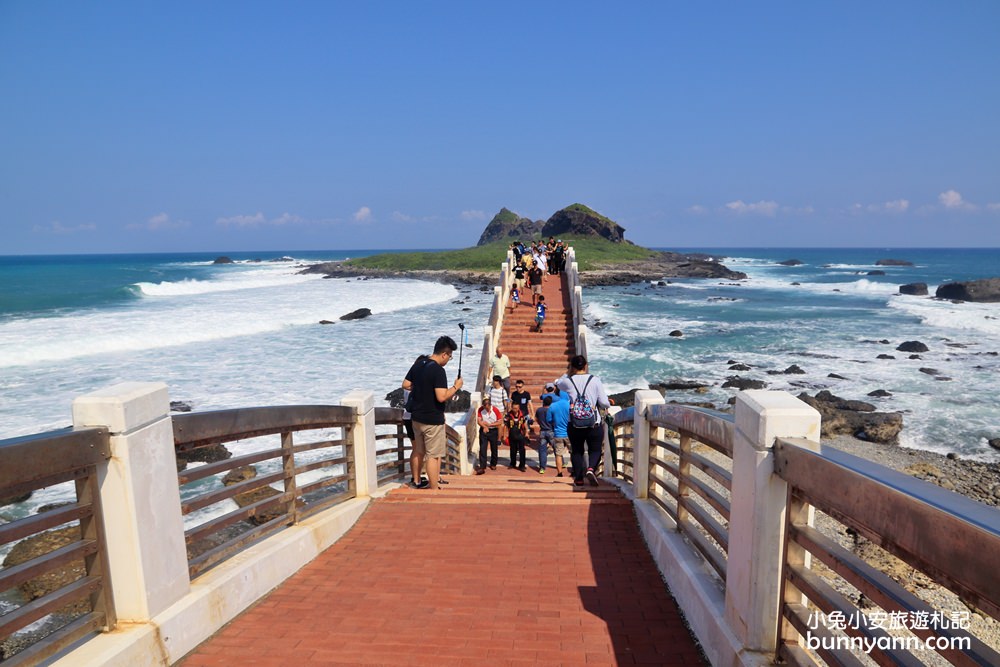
pixel 430 440
pixel 560 446
pixel 539 321
pixel 536 289
pixel 519 282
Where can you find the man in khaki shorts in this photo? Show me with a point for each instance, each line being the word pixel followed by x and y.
pixel 428 385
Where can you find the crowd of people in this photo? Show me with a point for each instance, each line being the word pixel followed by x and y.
pixel 567 419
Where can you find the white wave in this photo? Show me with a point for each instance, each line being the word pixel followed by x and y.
pixel 948 316
pixel 199 318
pixel 255 279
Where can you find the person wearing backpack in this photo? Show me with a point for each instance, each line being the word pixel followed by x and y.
pixel 586 429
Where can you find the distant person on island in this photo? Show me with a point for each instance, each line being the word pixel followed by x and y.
pixel 428 384
pixel 586 397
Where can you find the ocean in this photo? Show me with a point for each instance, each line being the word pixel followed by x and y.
pixel 248 334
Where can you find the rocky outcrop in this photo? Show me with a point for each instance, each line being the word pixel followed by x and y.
pixel 63 575
pixel 223 260
pixel 662 265
pixel 742 383
pixel 791 262
pixel 986 290
pixel 358 314
pixel 914 289
pixel 509 225
pixel 855 418
pixel 893 262
pixel 912 346
pixel 10 500
pixel 206 454
pixel 579 220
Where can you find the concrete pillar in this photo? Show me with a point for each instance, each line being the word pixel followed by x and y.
pixel 640 440
pixel 362 438
pixel 147 556
pixel 758 510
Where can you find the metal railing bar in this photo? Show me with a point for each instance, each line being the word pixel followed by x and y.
pixel 313 508
pixel 666 485
pixel 53 643
pixel 798 616
pixel 666 465
pixel 710 551
pixel 671 512
pixel 876 585
pixel 209 469
pixel 204 561
pixel 672 447
pixel 37 523
pixel 320 444
pixel 323 483
pixel 228 492
pixel 44 482
pixel 709 427
pixel 711 496
pixel 712 469
pixel 58 453
pixel 893 510
pixel 200 428
pixel 18 574
pixel 323 463
pixel 202 530
pixel 27 614
pixel 828 600
pixel 706 521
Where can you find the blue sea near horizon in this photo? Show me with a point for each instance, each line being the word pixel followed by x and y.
pixel 248 333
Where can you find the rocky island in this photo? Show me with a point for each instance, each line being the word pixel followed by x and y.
pixel 605 257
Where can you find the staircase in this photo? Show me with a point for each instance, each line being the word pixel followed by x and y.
pixel 538 358
pixel 504 486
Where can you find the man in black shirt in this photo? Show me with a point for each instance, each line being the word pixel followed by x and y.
pixel 523 398
pixel 428 386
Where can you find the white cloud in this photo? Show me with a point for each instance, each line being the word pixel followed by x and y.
pixel 56 227
pixel 473 216
pixel 993 206
pixel 398 216
pixel 159 222
pixel 363 214
pixel 894 206
pixel 241 220
pixel 740 207
pixel 897 205
pixel 285 219
pixel 697 209
pixel 952 199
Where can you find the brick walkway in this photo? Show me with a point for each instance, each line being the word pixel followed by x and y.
pixel 507 568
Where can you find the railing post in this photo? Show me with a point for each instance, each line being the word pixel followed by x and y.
pixel 362 439
pixel 147 555
pixel 640 440
pixel 757 520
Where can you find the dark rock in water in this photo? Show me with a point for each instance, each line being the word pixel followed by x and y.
pixel 793 370
pixel 206 454
pixel 885 356
pixel 994 443
pixel 10 500
pixel 876 273
pixel 465 309
pixel 855 418
pixel 358 314
pixel 625 399
pixel 325 322
pixel 679 385
pixel 914 356
pixel 893 262
pixel 914 289
pixel 836 377
pixel 912 346
pixel 660 283
pixel 742 383
pixel 930 371
pixel 981 291
pixel 223 260
pixel 791 262
pixel 261 515
pixel 52 506
pixel 879 393
pixel 739 367
pixel 796 284
pixel 237 475
pixel 952 456
pixel 180 406
pixel 676 333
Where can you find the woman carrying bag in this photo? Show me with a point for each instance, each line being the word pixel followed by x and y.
pixel 586 428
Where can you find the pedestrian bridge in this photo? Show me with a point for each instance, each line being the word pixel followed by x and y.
pixel 312 551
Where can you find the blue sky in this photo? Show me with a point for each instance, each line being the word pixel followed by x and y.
pixel 230 126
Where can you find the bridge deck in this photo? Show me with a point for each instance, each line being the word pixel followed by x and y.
pixel 507 568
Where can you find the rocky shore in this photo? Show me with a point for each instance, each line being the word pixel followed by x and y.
pixel 665 265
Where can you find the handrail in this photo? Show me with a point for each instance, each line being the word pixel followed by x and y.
pixel 261 510
pixel 949 538
pixel 83 605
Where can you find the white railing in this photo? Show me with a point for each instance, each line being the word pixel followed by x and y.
pixel 729 507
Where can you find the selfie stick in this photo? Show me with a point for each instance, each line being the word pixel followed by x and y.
pixel 462 327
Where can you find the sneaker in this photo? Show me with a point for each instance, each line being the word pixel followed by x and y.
pixel 522 468
pixel 423 484
pixel 541 471
pixel 480 471
pixel 512 466
pixel 559 474
pixel 591 477
pixel 493 467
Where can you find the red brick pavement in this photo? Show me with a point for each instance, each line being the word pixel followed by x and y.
pixel 502 569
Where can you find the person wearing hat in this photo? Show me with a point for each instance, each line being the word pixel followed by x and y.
pixel 489 419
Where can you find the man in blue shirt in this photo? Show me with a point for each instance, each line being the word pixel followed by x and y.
pixel 558 418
